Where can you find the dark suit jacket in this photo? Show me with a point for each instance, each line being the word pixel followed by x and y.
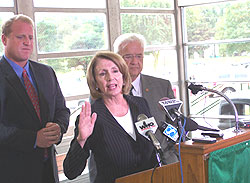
pixel 116 153
pixel 153 89
pixel 20 160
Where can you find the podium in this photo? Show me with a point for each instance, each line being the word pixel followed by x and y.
pixel 194 158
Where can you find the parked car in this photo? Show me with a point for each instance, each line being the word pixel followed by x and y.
pixel 241 100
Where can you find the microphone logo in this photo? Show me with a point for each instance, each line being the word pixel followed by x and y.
pixel 171 132
pixel 170 106
pixel 146 126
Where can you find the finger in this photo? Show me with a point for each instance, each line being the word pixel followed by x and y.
pixel 82 113
pixel 48 124
pixel 52 137
pixel 87 109
pixel 94 117
pixel 53 127
pixel 51 133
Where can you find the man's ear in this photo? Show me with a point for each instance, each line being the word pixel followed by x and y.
pixel 4 39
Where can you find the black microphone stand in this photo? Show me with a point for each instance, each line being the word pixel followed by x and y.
pixel 196 88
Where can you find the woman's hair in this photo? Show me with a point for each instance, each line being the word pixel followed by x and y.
pixel 123 40
pixel 117 60
pixel 6 27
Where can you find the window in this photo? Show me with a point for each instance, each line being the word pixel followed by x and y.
pixel 6 11
pixel 146 4
pixel 3 16
pixel 217 49
pixel 70 4
pixel 65 32
pixel 201 41
pixel 7 3
pixel 155 21
pixel 68 34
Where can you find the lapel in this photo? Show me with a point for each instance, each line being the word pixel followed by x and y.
pixel 15 83
pixel 110 120
pixel 146 87
pixel 41 86
pixel 134 109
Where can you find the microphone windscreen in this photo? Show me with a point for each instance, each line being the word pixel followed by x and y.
pixel 195 88
pixel 141 117
pixel 162 99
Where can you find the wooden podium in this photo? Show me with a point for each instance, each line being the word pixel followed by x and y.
pixel 194 158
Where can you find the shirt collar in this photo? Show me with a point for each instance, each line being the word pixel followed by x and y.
pixel 18 69
pixel 137 85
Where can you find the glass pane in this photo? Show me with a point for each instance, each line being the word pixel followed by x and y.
pixel 224 62
pixel 72 80
pixel 61 32
pixel 6 3
pixel 218 21
pixel 147 4
pixel 71 74
pixel 157 29
pixel 3 18
pixel 176 90
pixel 162 64
pixel 211 104
pixel 70 4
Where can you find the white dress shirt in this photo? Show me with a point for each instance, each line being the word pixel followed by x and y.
pixel 137 91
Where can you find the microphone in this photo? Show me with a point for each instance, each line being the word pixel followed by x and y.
pixel 196 88
pixel 147 127
pixel 171 107
pixel 168 130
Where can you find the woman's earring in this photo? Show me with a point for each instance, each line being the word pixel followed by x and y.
pixel 97 88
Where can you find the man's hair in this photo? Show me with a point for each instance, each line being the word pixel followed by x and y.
pixel 117 60
pixel 6 27
pixel 123 40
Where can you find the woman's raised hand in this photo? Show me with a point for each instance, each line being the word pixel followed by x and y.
pixel 86 123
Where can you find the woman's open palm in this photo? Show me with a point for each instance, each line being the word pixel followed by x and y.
pixel 86 122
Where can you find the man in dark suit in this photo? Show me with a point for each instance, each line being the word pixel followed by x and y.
pixel 33 115
pixel 131 47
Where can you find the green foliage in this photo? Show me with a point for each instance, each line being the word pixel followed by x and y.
pixel 224 21
pixel 91 36
pixel 200 25
pixel 157 29
pixel 234 24
pixel 48 39
pixel 64 65
pixel 67 34
pixel 145 3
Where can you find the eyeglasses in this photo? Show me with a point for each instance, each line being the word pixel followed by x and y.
pixel 129 57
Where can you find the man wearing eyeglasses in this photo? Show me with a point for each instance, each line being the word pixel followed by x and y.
pixel 131 47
